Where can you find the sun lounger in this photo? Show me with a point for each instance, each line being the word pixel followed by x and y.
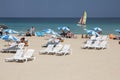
pixel 88 44
pixel 18 54
pixel 65 50
pixel 49 47
pixel 14 48
pixel 99 38
pixel 52 41
pixel 103 45
pixel 96 43
pixel 93 38
pixel 56 49
pixel 11 48
pixel 28 55
pixel 21 45
pixel 104 37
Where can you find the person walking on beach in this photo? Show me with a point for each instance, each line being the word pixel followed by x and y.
pixel 32 30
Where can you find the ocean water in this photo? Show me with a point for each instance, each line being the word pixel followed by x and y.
pixel 108 25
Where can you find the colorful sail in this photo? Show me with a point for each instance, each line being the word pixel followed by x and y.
pixel 83 18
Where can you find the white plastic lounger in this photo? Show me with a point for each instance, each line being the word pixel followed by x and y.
pixel 18 54
pixel 12 48
pixel 21 45
pixel 99 38
pixel 49 48
pixel 96 43
pixel 93 38
pixel 103 45
pixel 28 55
pixel 105 37
pixel 88 44
pixel 65 50
pixel 56 49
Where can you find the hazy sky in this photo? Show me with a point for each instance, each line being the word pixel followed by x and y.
pixel 59 8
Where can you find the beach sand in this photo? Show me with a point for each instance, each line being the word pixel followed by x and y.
pixel 82 64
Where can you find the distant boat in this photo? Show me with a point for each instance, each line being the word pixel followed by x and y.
pixel 83 19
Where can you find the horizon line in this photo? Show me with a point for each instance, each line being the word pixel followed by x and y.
pixel 56 17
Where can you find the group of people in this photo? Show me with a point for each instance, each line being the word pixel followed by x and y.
pixel 31 31
pixel 67 34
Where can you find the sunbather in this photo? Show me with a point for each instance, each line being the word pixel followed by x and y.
pixel 11 48
pixel 22 40
pixel 53 41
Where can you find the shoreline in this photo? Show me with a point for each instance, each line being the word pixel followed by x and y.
pixel 107 25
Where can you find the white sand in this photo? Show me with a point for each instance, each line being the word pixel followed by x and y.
pixel 83 64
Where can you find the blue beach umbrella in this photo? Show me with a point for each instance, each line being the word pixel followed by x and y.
pixel 10 37
pixel 117 30
pixel 39 33
pixel 10 31
pixel 97 29
pixel 91 32
pixel 64 28
pixel 50 31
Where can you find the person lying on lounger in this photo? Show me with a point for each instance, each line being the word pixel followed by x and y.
pixel 53 41
pixel 22 40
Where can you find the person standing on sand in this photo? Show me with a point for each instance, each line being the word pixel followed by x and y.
pixel 32 30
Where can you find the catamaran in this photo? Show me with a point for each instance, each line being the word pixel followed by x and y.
pixel 83 19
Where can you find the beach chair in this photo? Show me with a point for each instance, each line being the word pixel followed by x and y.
pixel 93 38
pixel 56 49
pixel 96 43
pixel 21 45
pixel 65 50
pixel 49 48
pixel 104 37
pixel 28 55
pixel 103 45
pixel 12 48
pixel 88 44
pixel 98 38
pixel 18 54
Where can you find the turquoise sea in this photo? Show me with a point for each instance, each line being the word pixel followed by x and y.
pixel 108 25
